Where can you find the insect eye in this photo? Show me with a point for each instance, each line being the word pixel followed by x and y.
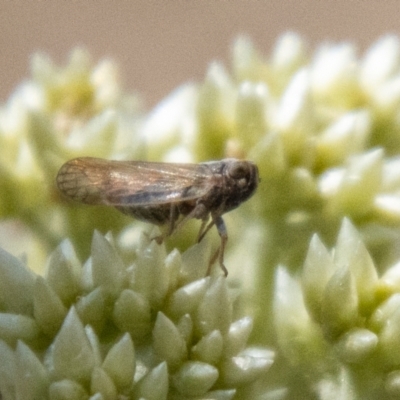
pixel 238 170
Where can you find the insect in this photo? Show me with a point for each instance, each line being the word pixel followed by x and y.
pixel 161 193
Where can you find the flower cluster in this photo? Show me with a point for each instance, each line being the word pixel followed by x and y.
pixel 340 321
pixel 151 329
pixel 324 131
pixel 61 113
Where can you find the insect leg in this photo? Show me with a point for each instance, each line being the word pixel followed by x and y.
pixel 203 231
pixel 221 227
pixel 200 234
pixel 171 225
pixel 172 219
pixel 197 212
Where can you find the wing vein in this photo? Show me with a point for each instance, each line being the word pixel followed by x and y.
pixel 123 183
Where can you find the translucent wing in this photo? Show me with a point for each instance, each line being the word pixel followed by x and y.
pixel 124 183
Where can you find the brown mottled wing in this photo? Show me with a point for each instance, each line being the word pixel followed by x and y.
pixel 132 183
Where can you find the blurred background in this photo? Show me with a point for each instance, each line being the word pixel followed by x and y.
pixel 161 44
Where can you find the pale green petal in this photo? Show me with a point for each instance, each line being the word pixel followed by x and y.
pixel 185 327
pixel 187 298
pixel 172 122
pixel 294 117
pixel 32 376
pixel 334 75
pixel 251 112
pixel 299 338
pixel 103 384
pixel 351 250
pixel 96 135
pixel 288 55
pixel 387 207
pixel 62 272
pixel 96 396
pixel 16 326
pixel 339 303
pixel 154 386
pixel 271 154
pixel 215 111
pixel 359 184
pixel 237 336
pixel 105 79
pixel 91 308
pixel 389 340
pixel 71 356
pixel 132 313
pixel 390 281
pixel 209 348
pixel 158 287
pixel 16 285
pixel 8 371
pixel 149 272
pixel 357 345
pixel 215 310
pixel 346 136
pixel 384 312
pixel 341 387
pixel 168 342
pixel 107 267
pixel 67 390
pixel 318 269
pixel 381 61
pixel 48 309
pixel 247 62
pixel 387 96
pixel 119 362
pixel 94 344
pixel 173 265
pixel 195 261
pixel 246 367
pixel 392 383
pixel 221 394
pixel 195 378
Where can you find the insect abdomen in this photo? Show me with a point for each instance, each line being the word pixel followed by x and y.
pixel 158 215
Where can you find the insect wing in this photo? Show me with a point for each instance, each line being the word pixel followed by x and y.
pixel 123 183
